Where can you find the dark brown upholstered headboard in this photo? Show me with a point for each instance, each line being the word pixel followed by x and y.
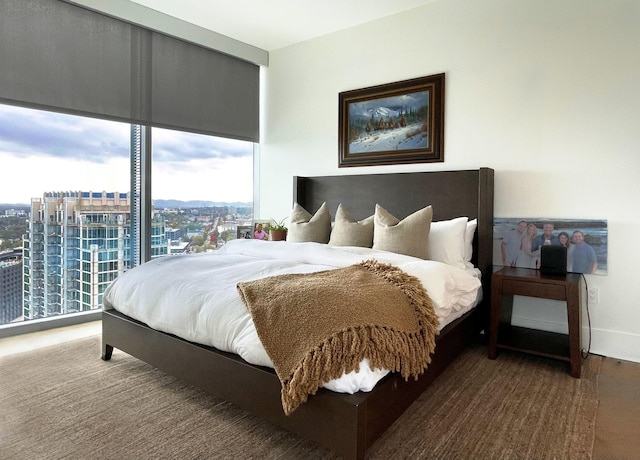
pixel 451 193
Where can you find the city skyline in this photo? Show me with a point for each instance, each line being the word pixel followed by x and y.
pixel 78 243
pixel 58 152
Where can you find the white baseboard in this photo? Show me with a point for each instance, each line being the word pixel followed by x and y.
pixel 536 323
pixel 612 344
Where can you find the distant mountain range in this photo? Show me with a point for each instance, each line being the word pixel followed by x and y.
pixel 199 204
pixel 4 206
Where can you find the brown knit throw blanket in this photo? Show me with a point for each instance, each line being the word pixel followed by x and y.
pixel 317 326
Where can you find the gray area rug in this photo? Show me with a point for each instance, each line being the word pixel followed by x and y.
pixel 65 402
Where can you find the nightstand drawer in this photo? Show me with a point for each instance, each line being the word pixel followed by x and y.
pixel 529 289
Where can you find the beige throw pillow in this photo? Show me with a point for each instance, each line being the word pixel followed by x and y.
pixel 303 227
pixel 409 236
pixel 347 231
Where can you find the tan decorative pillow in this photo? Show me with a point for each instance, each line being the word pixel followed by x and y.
pixel 347 231
pixel 303 227
pixel 409 236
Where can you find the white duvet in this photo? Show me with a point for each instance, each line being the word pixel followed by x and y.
pixel 195 297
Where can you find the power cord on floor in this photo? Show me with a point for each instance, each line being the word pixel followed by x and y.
pixel 585 353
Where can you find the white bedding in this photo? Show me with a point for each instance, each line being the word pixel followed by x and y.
pixel 195 297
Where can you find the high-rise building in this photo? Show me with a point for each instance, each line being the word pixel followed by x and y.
pixel 10 286
pixel 75 245
pixel 173 234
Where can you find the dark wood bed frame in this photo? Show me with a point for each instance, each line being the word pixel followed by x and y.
pixel 347 424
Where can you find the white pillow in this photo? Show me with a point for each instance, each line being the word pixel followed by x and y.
pixel 468 242
pixel 409 236
pixel 447 241
pixel 450 288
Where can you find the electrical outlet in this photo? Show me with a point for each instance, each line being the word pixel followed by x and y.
pixel 594 295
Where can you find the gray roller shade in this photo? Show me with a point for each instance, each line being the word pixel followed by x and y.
pixel 61 57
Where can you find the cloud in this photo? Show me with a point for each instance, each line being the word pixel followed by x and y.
pixel 181 147
pixel 28 133
pixel 92 154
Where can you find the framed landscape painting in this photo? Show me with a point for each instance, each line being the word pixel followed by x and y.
pixel 394 123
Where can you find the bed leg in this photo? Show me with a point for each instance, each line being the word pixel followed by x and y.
pixel 107 351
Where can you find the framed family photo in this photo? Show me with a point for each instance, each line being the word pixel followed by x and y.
pixel 244 232
pixel 517 242
pixel 261 228
pixel 394 123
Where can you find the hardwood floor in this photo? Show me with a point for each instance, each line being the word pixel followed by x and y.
pixel 617 421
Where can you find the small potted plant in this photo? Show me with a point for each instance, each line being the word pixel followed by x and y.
pixel 278 231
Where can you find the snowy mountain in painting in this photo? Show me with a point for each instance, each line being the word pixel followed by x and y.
pixel 389 123
pixel 381 112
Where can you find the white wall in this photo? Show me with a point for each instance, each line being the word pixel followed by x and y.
pixel 543 91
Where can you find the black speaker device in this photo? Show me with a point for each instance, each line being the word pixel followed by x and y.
pixel 553 260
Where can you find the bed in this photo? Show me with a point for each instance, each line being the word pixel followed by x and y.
pixel 346 423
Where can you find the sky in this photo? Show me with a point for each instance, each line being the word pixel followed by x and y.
pixel 44 151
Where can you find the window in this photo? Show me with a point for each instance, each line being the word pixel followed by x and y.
pixel 113 70
pixel 66 226
pixel 202 189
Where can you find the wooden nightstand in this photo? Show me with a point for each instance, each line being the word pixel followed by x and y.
pixel 507 282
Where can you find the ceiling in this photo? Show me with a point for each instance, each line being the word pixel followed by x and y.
pixel 274 24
